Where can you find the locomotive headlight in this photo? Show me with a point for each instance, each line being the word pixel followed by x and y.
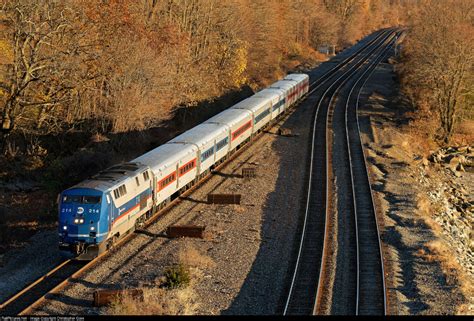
pixel 81 220
pixel 65 228
pixel 92 228
pixel 76 221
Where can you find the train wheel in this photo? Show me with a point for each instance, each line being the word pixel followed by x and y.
pixel 139 223
pixel 111 242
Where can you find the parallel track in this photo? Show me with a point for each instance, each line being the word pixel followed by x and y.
pixel 33 295
pixel 371 288
pixel 351 245
pixel 304 293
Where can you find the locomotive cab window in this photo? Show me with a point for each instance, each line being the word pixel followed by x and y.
pixel 91 199
pixel 81 199
pixel 71 199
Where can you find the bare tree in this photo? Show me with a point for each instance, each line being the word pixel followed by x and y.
pixel 439 56
pixel 123 65
pixel 35 83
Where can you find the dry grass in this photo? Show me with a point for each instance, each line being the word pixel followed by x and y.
pixel 421 132
pixel 239 209
pixel 438 251
pixel 464 134
pixel 161 301
pixel 441 252
pixel 156 301
pixel 191 257
pixel 425 209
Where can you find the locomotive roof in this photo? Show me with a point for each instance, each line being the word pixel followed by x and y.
pixel 112 176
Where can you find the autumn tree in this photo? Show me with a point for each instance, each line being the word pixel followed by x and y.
pixel 122 65
pixel 36 81
pixel 438 61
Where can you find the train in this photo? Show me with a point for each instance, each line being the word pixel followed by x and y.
pixel 95 213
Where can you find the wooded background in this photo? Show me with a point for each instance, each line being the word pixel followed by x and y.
pixel 103 69
pixel 436 67
pixel 122 65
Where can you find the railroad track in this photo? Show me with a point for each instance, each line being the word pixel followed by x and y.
pixel 23 302
pixel 306 293
pixel 352 243
pixel 371 288
pixel 38 288
pixel 316 84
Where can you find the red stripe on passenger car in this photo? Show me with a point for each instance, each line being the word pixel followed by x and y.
pixel 184 173
pixel 242 129
pixel 173 180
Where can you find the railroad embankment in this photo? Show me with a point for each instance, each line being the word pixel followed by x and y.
pixel 424 199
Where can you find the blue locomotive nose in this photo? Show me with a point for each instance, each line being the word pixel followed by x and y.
pixel 79 216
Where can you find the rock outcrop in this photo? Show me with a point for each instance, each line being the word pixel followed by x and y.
pixel 453 200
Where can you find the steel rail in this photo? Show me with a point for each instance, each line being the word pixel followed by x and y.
pixel 344 63
pixel 386 42
pixel 309 193
pixel 360 149
pixel 368 72
pixel 37 281
pixel 386 34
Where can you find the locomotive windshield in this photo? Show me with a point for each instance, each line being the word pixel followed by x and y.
pixel 81 199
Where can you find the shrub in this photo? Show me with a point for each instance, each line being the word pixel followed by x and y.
pixel 176 276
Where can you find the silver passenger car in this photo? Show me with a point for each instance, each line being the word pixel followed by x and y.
pixel 261 109
pixel 173 166
pixel 303 83
pixel 277 97
pixel 212 141
pixel 289 86
pixel 239 122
